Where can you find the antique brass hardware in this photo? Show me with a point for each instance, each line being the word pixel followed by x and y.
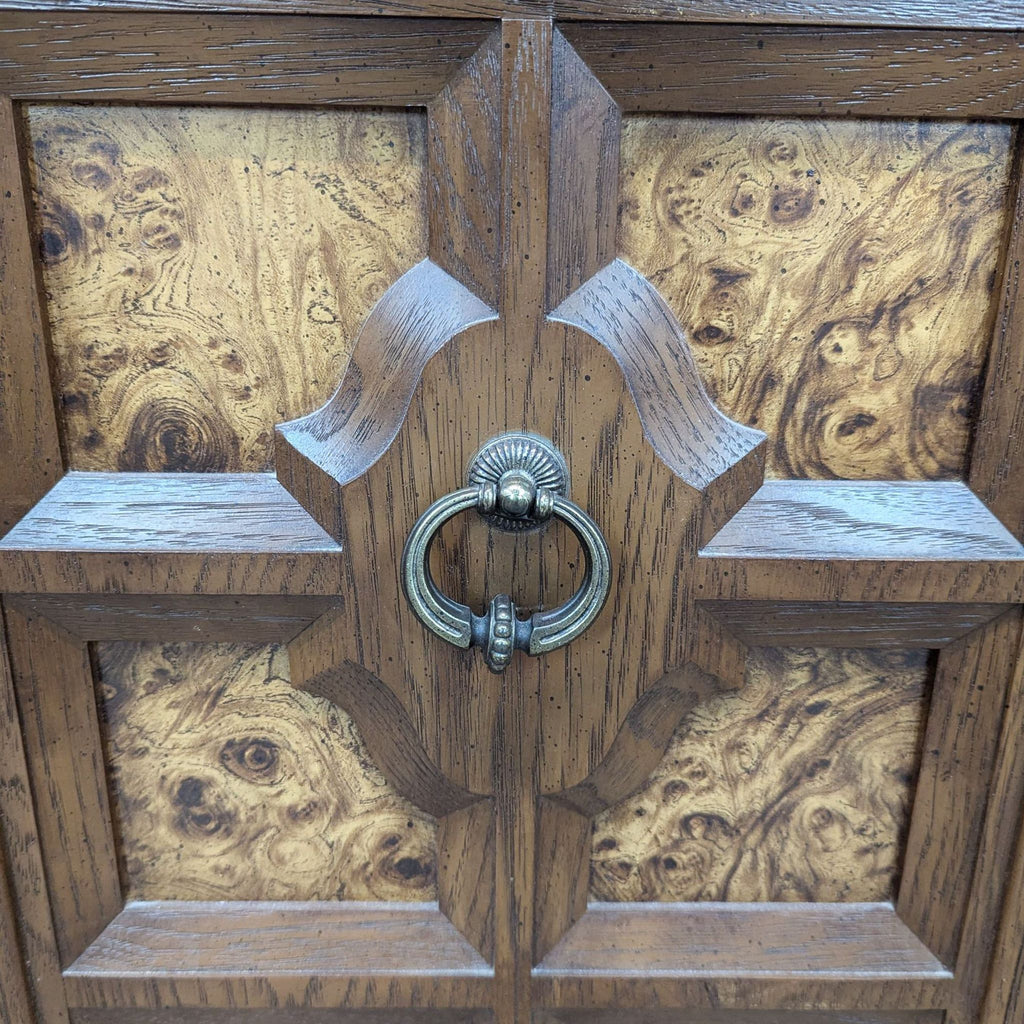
pixel 517 481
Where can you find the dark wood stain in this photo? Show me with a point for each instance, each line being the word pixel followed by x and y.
pixel 520 314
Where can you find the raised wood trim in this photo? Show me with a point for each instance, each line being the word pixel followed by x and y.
pixel 997 451
pixel 768 955
pixel 882 541
pixel 53 680
pixel 463 147
pixel 199 618
pixel 319 453
pixel 28 424
pixel 851 623
pixel 583 190
pixel 187 954
pixel 999 14
pixel 19 840
pixel 174 533
pixel 970 694
pixel 180 58
pixel 388 732
pixel 15 1004
pixel 792 72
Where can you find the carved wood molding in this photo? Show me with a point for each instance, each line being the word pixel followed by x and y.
pixel 521 318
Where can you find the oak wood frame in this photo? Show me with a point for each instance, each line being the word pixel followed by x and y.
pixel 59 601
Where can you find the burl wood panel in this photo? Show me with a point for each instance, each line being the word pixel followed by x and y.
pixel 230 784
pixel 835 277
pixel 207 269
pixel 797 787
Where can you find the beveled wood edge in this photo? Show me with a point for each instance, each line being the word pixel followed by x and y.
pixel 305 60
pixel 54 684
pixel 368 970
pixel 642 82
pixel 851 624
pixel 390 736
pixel 29 434
pixel 14 997
pixel 624 312
pixel 988 925
pixel 423 310
pixel 194 618
pixel 619 936
pixel 19 841
pixel 937 916
pixel 996 15
pixel 996 458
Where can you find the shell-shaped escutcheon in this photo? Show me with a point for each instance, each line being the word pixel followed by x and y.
pixel 519 466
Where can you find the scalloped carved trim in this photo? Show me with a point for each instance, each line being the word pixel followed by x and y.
pixel 425 308
pixel 623 310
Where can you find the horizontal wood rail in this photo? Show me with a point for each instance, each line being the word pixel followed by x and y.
pixel 997 14
pixel 176 533
pixel 667 954
pixel 183 954
pixel 882 541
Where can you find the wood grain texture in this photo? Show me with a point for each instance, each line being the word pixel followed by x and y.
pixel 850 623
pixel 332 1015
pixel 997 453
pixel 28 425
pixel 733 69
pixel 15 1005
pixel 229 784
pixel 188 320
pixel 797 787
pixel 881 541
pixel 168 58
pixel 583 195
pixel 682 1015
pixel 744 956
pixel 267 954
pixel 465 196
pixel 23 861
pixel 177 533
pixel 1000 14
pixel 53 680
pixel 989 961
pixel 694 940
pixel 833 278
pixel 194 618
pixel 959 755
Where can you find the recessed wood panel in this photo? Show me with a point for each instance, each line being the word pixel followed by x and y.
pixel 206 269
pixel 230 784
pixel 835 277
pixel 795 788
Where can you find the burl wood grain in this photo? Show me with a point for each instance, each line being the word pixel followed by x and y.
pixel 796 787
pixel 835 277
pixel 207 269
pixel 231 784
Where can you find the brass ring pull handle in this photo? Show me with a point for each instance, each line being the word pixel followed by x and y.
pixel 518 482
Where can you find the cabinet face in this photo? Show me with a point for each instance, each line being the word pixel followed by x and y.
pixel 270 281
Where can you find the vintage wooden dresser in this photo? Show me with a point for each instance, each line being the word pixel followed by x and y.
pixel 511 512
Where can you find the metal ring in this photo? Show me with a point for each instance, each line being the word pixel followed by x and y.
pixel 499 631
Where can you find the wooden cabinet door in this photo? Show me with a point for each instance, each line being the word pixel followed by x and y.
pixel 776 778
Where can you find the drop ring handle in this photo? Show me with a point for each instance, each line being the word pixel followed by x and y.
pixel 513 501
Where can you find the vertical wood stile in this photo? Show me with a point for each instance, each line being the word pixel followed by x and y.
pixel 526 121
pixel 997 453
pixel 28 424
pixel 21 852
pixel 53 680
pixel 958 758
pixel 14 1001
